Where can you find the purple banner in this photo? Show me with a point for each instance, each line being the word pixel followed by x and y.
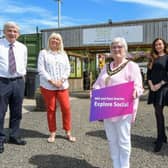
pixel 112 101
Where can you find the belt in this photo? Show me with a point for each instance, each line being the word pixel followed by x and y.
pixel 11 79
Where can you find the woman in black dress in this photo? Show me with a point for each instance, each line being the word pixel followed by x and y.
pixel 157 76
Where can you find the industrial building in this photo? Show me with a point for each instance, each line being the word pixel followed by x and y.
pixel 88 47
pixel 86 43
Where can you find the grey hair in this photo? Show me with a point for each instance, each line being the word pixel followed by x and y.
pixel 120 40
pixel 10 24
pixel 56 35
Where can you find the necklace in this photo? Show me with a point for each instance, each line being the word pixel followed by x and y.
pixel 112 72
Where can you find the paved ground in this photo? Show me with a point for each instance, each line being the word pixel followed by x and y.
pixel 91 148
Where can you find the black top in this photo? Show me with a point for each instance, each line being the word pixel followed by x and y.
pixel 158 73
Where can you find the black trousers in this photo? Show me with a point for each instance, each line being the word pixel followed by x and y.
pixel 11 95
pixel 160 122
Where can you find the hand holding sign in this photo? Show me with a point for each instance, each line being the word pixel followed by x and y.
pixel 112 101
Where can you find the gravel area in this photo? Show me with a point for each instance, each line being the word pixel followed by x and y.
pixel 90 150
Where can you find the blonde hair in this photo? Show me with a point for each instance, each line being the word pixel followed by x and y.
pixel 10 24
pixel 56 35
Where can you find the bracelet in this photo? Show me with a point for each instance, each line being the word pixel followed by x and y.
pixel 162 83
pixel 62 80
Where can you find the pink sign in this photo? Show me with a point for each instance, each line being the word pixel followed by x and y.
pixel 112 101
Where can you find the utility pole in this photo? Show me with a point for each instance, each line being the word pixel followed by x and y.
pixel 59 13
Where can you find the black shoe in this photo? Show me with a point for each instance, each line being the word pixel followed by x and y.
pixel 158 146
pixel 5 140
pixel 164 140
pixel 17 141
pixel 1 147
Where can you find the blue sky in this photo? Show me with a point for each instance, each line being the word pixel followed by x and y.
pixel 44 13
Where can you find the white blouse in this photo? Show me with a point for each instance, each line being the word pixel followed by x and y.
pixel 53 66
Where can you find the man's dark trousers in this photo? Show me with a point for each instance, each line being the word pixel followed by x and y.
pixel 12 94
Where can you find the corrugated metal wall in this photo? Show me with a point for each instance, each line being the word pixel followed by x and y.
pixel 155 29
pixel 73 36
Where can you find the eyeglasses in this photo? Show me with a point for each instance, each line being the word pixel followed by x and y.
pixel 117 47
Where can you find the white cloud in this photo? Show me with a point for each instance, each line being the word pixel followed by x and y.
pixel 20 9
pixel 16 9
pixel 29 17
pixel 163 4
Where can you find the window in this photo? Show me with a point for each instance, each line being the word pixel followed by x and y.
pixel 76 67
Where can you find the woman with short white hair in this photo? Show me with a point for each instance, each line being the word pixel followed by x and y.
pixel 118 129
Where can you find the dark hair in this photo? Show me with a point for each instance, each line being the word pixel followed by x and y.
pixel 154 54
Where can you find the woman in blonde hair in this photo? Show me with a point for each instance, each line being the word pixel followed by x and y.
pixel 54 70
pixel 157 76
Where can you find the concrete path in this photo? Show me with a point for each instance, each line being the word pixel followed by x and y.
pixel 90 150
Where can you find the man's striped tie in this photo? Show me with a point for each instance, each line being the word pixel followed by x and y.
pixel 12 63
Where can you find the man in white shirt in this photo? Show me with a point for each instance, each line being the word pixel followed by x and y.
pixel 13 62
